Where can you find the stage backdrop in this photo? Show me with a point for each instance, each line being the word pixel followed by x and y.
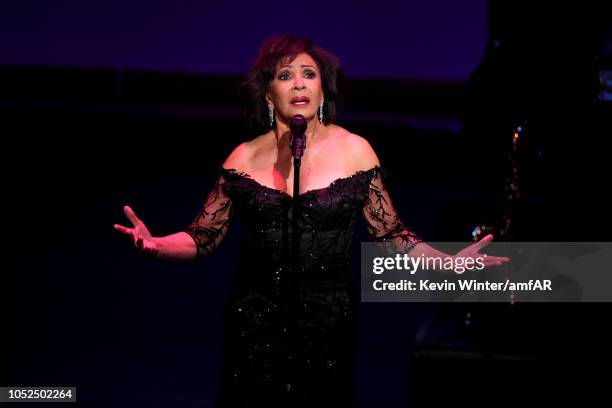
pixel 430 40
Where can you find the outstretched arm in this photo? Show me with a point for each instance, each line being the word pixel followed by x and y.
pixel 384 225
pixel 199 239
pixel 176 247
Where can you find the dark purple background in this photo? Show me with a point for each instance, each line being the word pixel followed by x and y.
pixel 431 40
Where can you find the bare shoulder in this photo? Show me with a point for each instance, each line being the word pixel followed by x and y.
pixel 241 157
pixel 238 158
pixel 359 151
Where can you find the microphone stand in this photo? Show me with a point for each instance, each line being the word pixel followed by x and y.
pixel 298 126
pixel 295 236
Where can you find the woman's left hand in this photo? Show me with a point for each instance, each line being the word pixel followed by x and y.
pixel 473 251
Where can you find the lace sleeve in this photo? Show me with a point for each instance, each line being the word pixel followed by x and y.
pixel 212 222
pixel 382 220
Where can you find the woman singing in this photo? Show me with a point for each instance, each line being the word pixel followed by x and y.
pixel 289 331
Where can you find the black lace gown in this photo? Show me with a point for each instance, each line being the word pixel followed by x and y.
pixel 289 329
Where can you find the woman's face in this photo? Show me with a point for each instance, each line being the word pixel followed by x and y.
pixel 296 88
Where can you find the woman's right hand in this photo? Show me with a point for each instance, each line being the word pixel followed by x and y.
pixel 139 233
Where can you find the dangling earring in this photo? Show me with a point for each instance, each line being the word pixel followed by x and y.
pixel 271 114
pixel 321 111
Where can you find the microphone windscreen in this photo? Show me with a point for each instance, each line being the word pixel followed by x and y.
pixel 298 125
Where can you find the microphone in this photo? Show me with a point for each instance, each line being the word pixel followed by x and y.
pixel 297 126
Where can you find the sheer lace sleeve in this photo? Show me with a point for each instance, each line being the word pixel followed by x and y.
pixel 212 222
pixel 382 220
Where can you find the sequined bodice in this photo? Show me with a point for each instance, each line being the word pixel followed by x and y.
pixel 326 218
